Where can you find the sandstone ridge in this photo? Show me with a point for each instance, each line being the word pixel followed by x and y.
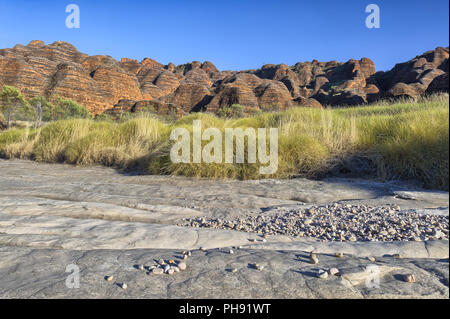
pixel 102 83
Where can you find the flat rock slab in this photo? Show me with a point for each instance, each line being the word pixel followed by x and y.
pixel 106 221
pixel 41 273
pixel 217 199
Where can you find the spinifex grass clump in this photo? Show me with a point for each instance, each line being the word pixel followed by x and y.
pixel 403 140
pixel 124 145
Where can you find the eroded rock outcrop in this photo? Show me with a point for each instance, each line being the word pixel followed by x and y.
pixel 102 83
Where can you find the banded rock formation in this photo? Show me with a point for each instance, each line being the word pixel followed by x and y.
pixel 102 83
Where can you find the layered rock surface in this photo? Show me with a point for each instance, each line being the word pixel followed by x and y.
pixel 101 83
pixel 106 222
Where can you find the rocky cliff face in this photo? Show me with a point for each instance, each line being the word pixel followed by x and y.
pixel 102 83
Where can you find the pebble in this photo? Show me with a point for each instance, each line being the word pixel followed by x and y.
pixel 333 271
pixel 234 270
pixel 322 274
pixel 313 259
pixel 202 248
pixel 258 266
pixel 171 271
pixel 397 256
pixel 157 271
pixel 409 278
pixel 166 268
pixel 109 278
pixel 177 269
pixel 339 222
pixel 182 266
pixel 124 286
pixel 231 251
pixel 141 267
pixel 339 255
pixel 161 262
pixel 372 259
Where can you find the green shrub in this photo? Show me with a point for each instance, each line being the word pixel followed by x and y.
pixel 233 111
pixel 66 109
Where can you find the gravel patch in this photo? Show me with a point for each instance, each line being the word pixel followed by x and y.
pixel 338 222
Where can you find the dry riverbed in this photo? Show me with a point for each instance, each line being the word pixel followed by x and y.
pixel 248 239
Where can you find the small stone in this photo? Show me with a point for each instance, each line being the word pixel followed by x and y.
pixel 176 268
pixel 109 278
pixel 231 251
pixel 124 286
pixel 185 257
pixel 161 262
pixel 333 271
pixel 182 266
pixel 171 262
pixel 189 253
pixel 166 268
pixel 202 248
pixel 339 255
pixel 313 259
pixel 157 271
pixel 260 267
pixel 322 274
pixel 372 259
pixel 171 271
pixel 252 240
pixel 234 270
pixel 141 267
pixel 409 278
pixel 397 256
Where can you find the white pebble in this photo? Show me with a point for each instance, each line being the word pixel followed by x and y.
pixel 314 259
pixel 166 268
pixel 157 271
pixel 182 266
pixel 333 271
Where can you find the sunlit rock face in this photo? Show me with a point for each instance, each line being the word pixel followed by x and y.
pixel 102 83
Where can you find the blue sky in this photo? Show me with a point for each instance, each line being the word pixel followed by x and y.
pixel 233 34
